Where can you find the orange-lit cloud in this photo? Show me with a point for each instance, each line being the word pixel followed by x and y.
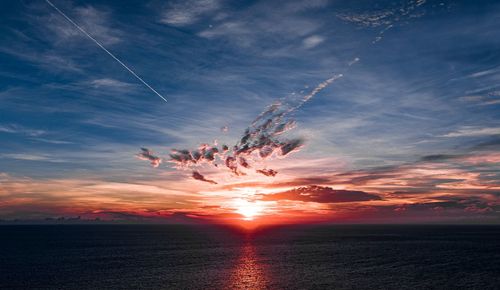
pixel 426 190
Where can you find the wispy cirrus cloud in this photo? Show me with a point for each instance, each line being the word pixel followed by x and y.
pixel 32 134
pixel 183 13
pixel 385 18
pixel 94 20
pixel 60 38
pixel 312 41
pixel 48 60
pixel 18 129
pixel 31 157
pixel 110 83
pixel 260 22
pixel 481 100
pixel 470 131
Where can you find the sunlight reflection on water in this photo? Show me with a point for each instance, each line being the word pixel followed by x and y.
pixel 249 271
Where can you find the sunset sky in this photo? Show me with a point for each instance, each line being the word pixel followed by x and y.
pixel 395 107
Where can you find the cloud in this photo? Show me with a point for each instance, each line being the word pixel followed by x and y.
pixel 353 61
pixel 474 158
pixel 470 205
pixel 300 6
pixel 266 20
pixel 280 184
pixel 196 175
pixel 478 209
pixel 312 41
pixel 31 134
pixel 263 139
pixel 31 157
pixel 147 155
pixel 110 83
pixel 95 21
pixel 303 181
pixel 471 98
pixel 490 99
pixel 384 18
pixel 369 19
pixel 469 131
pixel 50 141
pixel 204 154
pixel 437 157
pixel 320 194
pixel 18 129
pixel 267 172
pixel 48 60
pixel 23 197
pixel 183 13
pixel 481 159
pixel 431 178
pixel 54 44
pixel 148 216
pixel 488 145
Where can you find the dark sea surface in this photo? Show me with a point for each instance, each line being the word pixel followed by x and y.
pixel 203 257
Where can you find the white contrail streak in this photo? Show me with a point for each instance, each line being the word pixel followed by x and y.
pixel 107 51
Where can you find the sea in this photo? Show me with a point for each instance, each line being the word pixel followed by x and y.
pixel 215 257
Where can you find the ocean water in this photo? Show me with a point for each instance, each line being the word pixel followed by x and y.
pixel 203 257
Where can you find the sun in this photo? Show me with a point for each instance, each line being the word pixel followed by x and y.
pixel 249 210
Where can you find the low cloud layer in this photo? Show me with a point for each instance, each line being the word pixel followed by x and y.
pixel 320 194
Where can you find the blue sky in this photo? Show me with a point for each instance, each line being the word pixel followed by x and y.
pixel 426 82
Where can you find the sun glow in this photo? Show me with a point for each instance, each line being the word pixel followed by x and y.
pixel 249 210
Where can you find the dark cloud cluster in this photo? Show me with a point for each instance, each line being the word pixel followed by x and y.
pixel 260 141
pixel 263 139
pixel 146 154
pixel 267 172
pixel 198 176
pixel 204 154
pixel 321 194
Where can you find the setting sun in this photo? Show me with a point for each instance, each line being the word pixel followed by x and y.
pixel 249 210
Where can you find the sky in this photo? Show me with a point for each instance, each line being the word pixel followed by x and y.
pixel 331 111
